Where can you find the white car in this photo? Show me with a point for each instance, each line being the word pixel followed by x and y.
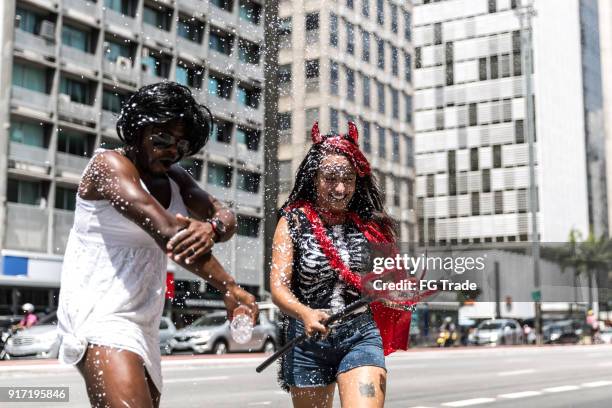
pixel 498 332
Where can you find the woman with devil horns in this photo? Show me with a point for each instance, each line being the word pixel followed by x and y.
pixel 322 248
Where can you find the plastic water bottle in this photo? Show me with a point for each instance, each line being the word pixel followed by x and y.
pixel 241 328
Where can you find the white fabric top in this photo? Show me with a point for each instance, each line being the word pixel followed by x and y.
pixel 113 284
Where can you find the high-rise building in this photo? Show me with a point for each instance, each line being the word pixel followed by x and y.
pixel 471 146
pixel 67 67
pixel 343 61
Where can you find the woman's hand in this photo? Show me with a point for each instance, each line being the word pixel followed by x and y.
pixel 313 322
pixel 193 241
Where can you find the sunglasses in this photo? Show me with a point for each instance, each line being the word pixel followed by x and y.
pixel 163 140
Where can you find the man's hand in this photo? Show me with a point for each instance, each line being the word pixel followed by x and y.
pixel 192 242
pixel 236 296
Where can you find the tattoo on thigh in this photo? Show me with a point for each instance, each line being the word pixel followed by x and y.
pixel 367 389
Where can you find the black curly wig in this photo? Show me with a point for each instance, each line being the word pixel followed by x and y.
pixel 161 103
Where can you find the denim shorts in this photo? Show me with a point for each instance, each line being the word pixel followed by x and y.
pixel 314 363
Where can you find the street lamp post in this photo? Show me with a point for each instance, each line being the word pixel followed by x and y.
pixel 525 13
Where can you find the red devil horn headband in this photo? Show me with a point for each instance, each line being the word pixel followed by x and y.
pixel 347 144
pixel 353 133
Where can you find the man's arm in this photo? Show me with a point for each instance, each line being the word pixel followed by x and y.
pixel 202 205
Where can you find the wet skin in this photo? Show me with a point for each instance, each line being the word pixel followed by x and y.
pixel 115 177
pixel 362 386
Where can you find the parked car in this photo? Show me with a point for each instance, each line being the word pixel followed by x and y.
pixel 605 335
pixel 562 332
pixel 167 330
pixel 211 334
pixel 42 340
pixel 498 332
pixel 39 341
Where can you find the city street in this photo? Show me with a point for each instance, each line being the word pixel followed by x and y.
pixel 562 376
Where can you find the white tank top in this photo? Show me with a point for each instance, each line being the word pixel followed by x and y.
pixel 113 284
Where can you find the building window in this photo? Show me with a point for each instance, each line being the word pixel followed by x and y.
pixel 395 103
pixel 397 191
pixel 312 75
pixel 350 84
pixel 285 176
pixel 24 192
pixel 248 181
pixel 247 96
pixel 366 138
pixel 29 77
pixel 409 151
pixel 365 56
pixel 497 156
pixel 248 137
pixel 475 203
pixel 407 67
pixel 219 175
pixel 223 4
pixel 482 69
pixel 394 61
pixel 517 63
pixel 112 101
pixel 380 12
pixel 407 26
pixel 312 116
pixel 334 78
pixel 333 30
pixel 284 127
pixel 250 11
pixel 333 120
pixel 78 91
pixel 365 8
pixel 159 18
pixel 494 67
pixel 430 186
pixel 221 42
pixel 394 22
pixel 190 29
pixel 474 159
pixel 189 75
pixel 350 38
pixel 382 145
pixel 473 114
pixel 247 226
pixel 498 198
pixel 519 131
pixel 32 134
pixel 417 57
pixel 505 65
pixel 408 106
pixel 439 119
pixel 284 32
pixel 492 6
pixel 395 154
pixel 350 4
pixel 220 86
pixel 366 91
pixel 486 180
pixel 438 33
pixel 248 52
pixel 381 53
pixel 284 79
pixel 222 131
pixel 312 28
pixel 450 75
pixel 381 97
pixel 65 198
pixel 114 50
pixel 75 38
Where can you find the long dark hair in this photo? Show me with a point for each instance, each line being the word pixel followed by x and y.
pixel 367 199
pixel 161 103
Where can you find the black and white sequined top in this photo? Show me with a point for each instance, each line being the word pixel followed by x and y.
pixel 314 282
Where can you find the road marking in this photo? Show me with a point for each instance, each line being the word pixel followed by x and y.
pixel 259 403
pixel 195 379
pixel 523 394
pixel 465 403
pixel 562 388
pixel 596 384
pixel 516 372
